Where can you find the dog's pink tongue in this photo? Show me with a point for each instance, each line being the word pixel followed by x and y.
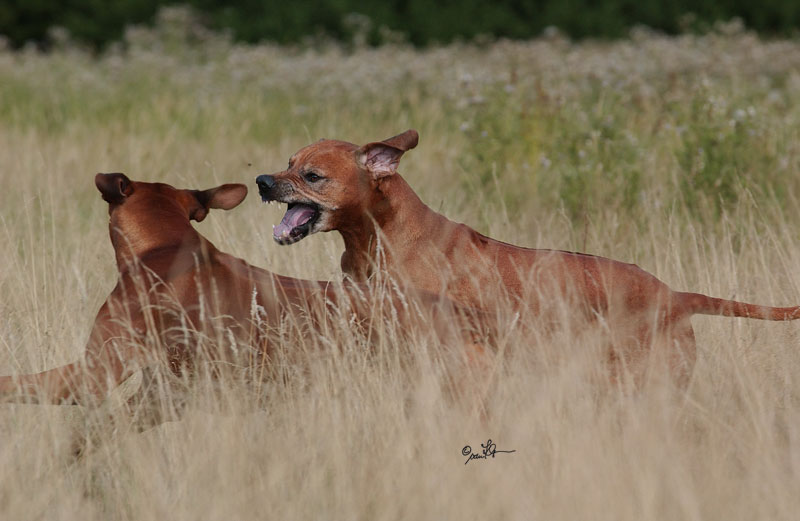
pixel 295 216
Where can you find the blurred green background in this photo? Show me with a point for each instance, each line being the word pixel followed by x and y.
pixel 420 22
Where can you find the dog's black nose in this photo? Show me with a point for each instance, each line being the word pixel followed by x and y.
pixel 265 181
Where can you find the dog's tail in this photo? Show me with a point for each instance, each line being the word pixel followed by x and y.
pixel 697 303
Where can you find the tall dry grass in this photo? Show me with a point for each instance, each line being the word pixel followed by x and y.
pixel 679 154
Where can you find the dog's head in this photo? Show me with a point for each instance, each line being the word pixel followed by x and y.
pixel 137 196
pixel 331 184
pixel 144 216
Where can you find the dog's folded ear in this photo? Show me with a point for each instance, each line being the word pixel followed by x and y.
pixel 223 197
pixel 114 187
pixel 405 141
pixel 382 157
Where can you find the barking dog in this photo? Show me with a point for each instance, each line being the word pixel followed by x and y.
pixel 356 190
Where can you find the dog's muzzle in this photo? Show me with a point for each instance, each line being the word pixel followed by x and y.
pixel 300 216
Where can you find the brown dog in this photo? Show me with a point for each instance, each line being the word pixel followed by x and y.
pixel 178 296
pixel 335 185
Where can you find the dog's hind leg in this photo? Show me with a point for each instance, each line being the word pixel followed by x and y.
pixel 683 353
pixel 150 397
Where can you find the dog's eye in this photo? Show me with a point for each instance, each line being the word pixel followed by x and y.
pixel 311 177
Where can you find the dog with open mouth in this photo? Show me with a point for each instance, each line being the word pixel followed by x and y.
pixel 357 191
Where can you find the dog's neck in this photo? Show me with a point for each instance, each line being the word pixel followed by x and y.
pixel 396 218
pixel 137 230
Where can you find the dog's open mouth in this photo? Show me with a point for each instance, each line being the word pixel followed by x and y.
pixel 296 223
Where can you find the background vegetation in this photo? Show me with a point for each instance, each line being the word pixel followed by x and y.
pixel 420 22
pixel 679 153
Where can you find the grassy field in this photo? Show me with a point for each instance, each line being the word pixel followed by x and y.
pixel 679 154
